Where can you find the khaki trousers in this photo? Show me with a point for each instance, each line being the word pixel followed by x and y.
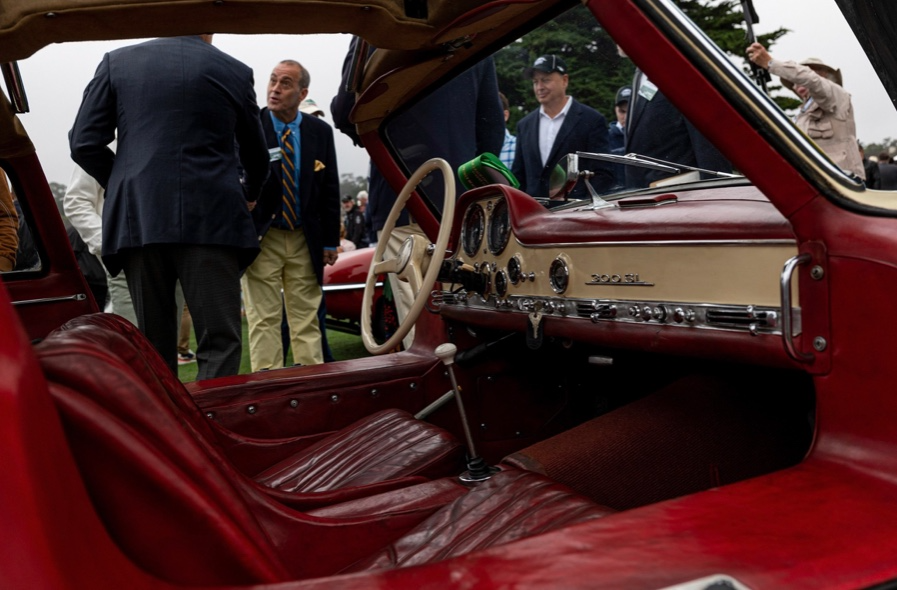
pixel 284 265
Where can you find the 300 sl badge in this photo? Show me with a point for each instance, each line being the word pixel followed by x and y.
pixel 624 280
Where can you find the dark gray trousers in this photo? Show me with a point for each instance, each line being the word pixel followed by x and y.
pixel 210 277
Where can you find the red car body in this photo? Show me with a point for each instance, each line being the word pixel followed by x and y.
pixel 803 420
pixel 344 285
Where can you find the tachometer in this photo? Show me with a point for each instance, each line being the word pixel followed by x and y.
pixel 499 227
pixel 473 229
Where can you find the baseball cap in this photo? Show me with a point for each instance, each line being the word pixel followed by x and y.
pixel 310 107
pixel 347 198
pixel 547 64
pixel 623 95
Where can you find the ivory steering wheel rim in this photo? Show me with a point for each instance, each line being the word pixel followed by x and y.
pixel 409 260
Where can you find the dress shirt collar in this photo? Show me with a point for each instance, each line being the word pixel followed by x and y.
pixel 563 112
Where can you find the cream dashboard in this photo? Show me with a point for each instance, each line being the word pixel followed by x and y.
pixel 664 272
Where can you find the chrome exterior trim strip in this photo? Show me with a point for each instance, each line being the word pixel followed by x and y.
pixel 349 287
pixel 78 297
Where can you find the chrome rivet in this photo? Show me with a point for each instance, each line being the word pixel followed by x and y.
pixel 413 386
pixel 294 403
pixel 210 415
pixel 518 434
pixel 483 426
pixel 817 272
pixel 819 343
pixel 251 409
pixel 334 398
pixel 375 393
pixel 50 15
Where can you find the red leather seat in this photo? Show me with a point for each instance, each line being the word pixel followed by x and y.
pixel 171 503
pixel 385 450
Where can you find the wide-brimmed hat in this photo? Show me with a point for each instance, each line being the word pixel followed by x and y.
pixel 818 65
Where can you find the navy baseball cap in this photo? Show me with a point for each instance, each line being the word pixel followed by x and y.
pixel 547 64
pixel 623 95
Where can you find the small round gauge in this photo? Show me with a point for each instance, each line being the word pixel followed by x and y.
pixel 501 283
pixel 559 275
pixel 499 227
pixel 486 282
pixel 473 229
pixel 515 270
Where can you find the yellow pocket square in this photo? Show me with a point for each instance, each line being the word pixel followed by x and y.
pixel 319 165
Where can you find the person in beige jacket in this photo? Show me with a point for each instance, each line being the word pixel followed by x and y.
pixel 826 113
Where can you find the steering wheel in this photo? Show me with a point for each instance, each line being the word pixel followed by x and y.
pixel 415 263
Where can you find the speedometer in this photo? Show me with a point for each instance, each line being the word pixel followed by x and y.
pixel 499 227
pixel 473 229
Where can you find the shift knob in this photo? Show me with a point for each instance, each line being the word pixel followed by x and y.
pixel 446 353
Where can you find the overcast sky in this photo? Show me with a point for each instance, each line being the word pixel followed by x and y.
pixel 55 77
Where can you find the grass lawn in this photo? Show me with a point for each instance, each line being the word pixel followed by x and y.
pixel 344 346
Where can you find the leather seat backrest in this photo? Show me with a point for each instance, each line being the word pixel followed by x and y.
pixel 160 491
pixel 122 338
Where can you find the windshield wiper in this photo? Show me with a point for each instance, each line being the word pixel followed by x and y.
pixel 653 164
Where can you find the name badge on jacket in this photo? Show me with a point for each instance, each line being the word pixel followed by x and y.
pixel 275 154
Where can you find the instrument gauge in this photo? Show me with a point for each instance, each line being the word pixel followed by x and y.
pixel 559 275
pixel 499 227
pixel 501 283
pixel 515 270
pixel 473 229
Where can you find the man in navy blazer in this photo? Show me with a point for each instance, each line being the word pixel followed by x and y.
pixel 560 126
pixel 299 232
pixel 175 208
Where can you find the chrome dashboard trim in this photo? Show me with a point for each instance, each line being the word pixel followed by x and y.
pixel 748 319
pixel 658 243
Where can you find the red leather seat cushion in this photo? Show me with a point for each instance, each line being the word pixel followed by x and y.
pixel 383 446
pixel 512 505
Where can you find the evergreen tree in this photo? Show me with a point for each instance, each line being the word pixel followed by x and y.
pixel 597 72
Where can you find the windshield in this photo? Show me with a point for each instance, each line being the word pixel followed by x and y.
pixel 567 88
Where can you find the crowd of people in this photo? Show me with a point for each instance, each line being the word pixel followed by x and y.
pixel 185 222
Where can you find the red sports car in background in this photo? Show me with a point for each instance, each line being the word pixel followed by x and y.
pixel 684 385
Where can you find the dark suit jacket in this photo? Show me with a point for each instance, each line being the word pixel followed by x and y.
pixel 584 129
pixel 657 129
pixel 457 122
pixel 177 105
pixel 318 191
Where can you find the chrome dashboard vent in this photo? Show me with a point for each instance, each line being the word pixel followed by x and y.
pixel 747 318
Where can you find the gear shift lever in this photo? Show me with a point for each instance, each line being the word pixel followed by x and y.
pixel 477 470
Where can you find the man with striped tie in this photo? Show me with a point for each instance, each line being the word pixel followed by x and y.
pixel 297 218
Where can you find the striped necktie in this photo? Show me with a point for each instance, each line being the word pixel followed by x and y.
pixel 288 179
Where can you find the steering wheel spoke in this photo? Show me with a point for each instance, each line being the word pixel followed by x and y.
pixel 412 263
pixel 386 266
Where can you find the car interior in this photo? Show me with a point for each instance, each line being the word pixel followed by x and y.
pixel 572 362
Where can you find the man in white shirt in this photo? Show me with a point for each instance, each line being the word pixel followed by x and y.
pixel 559 127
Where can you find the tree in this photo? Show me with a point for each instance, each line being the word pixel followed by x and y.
pixel 350 184
pixel 597 71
